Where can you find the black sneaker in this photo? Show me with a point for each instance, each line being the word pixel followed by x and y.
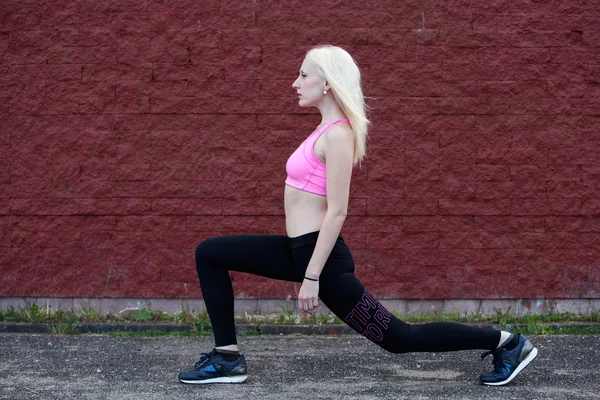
pixel 212 368
pixel 508 363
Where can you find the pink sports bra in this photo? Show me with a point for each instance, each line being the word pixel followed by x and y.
pixel 304 169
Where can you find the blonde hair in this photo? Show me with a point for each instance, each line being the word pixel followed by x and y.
pixel 341 72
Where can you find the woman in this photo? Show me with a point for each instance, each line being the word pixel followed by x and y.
pixel 314 253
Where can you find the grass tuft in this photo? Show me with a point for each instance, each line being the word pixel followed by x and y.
pixel 65 322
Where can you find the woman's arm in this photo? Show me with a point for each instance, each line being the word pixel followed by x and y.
pixel 339 154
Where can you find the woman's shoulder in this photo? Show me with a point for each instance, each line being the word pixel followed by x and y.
pixel 339 133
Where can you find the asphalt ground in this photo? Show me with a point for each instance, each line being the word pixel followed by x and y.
pixel 42 366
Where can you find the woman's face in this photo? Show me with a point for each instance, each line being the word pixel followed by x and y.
pixel 309 86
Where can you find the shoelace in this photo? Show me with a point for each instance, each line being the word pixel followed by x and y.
pixel 203 359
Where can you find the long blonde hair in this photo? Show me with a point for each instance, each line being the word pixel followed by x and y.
pixel 341 72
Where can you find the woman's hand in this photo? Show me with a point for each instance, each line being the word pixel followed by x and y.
pixel 308 298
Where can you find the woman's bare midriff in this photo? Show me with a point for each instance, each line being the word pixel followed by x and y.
pixel 304 211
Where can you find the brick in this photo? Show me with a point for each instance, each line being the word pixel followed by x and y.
pixel 524 155
pixel 93 55
pixel 4 206
pixel 146 21
pixel 427 155
pixel 567 224
pixel 475 106
pixel 570 55
pixel 372 224
pixel 517 56
pixel 589 173
pixel 5 229
pixel 451 189
pixel 4 41
pixel 587 224
pixel 150 222
pixel 591 106
pixel 101 170
pixel 547 106
pixel 252 207
pixel 403 71
pixel 186 206
pixel 568 281
pixel 386 170
pixel 475 207
pixel 149 290
pixel 257 37
pixel 564 88
pixel 44 239
pixel 566 256
pixel 518 19
pixel 111 73
pixel 531 189
pixel 388 240
pixel 542 207
pixel 416 256
pixel 478 240
pixel 233 223
pixel 166 53
pixel 587 239
pixel 149 272
pixel 79 206
pixel 20 88
pixel 509 224
pixel 574 156
pixel 437 223
pixel 525 72
pixel 498 173
pixel 243 106
pixel 467 143
pixel 471 72
pixel 557 173
pixel 405 105
pixel 421 87
pixel 131 105
pixel 401 207
pixel 179 273
pixel 249 286
pixel 532 38
pixel 385 189
pixel 562 189
pixel 594 272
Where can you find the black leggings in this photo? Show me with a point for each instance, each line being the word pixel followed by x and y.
pixel 285 258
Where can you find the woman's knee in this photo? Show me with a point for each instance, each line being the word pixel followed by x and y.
pixel 204 248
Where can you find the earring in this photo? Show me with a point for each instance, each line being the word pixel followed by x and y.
pixel 324 91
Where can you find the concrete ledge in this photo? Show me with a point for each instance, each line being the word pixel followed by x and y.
pixel 276 306
pixel 327 329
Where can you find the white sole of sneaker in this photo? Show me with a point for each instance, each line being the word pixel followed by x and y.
pixel 524 363
pixel 223 379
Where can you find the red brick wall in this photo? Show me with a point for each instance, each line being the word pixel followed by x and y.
pixel 131 131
